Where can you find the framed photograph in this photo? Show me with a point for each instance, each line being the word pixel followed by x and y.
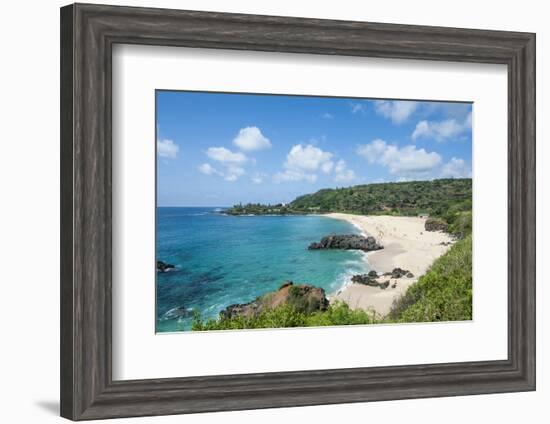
pixel 264 211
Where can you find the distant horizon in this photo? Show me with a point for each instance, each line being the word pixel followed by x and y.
pixel 221 148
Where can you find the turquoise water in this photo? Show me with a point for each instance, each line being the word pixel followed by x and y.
pixel 221 260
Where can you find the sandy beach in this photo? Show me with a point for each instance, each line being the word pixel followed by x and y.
pixel 406 245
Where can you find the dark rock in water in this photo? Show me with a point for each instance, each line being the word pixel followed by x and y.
pixel 435 224
pixel 303 297
pixel 163 266
pixel 410 275
pixel 373 274
pixel 384 285
pixel 178 312
pixel 398 273
pixel 347 242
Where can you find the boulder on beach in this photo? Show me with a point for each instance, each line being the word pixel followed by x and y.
pixel 435 224
pixel 365 279
pixel 303 297
pixel 399 273
pixel 347 242
pixel 369 280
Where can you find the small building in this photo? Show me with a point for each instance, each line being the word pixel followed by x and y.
pixel 424 215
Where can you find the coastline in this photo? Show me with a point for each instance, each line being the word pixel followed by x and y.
pixel 406 245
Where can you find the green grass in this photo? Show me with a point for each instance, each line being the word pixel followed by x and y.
pixel 444 293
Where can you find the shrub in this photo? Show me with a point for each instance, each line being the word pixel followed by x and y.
pixel 461 224
pixel 283 316
pixel 444 293
pixel 435 224
pixel 287 315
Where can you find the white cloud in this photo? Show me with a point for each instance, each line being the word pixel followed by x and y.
pixel 308 158
pixel 372 151
pixel 251 139
pixel 396 110
pixel 234 172
pixel 231 162
pixel 207 169
pixel 456 168
pixel 407 161
pixel 230 173
pixel 258 177
pixel 223 155
pixel 342 173
pixel 327 115
pixel 326 167
pixel 357 107
pixel 442 130
pixel 302 163
pixel 167 149
pixel 292 175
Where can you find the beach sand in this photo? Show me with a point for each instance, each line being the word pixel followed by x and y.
pixel 406 245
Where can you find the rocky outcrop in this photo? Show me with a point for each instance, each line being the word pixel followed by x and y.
pixel 435 224
pixel 303 297
pixel 372 278
pixel 400 273
pixel 347 242
pixel 365 279
pixel 163 266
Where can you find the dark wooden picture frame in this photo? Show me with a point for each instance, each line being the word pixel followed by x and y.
pixel 88 33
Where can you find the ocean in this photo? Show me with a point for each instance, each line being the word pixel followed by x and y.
pixel 221 260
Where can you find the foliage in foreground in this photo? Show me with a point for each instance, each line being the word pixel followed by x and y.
pixel 444 293
pixel 287 315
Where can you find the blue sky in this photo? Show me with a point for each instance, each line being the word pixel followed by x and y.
pixel 216 149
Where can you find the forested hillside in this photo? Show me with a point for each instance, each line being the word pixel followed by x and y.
pixel 437 198
pixel 406 198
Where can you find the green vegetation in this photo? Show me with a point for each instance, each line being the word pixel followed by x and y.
pixel 444 293
pixel 259 209
pixel 287 315
pixel 435 197
pixel 461 224
pixel 446 199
